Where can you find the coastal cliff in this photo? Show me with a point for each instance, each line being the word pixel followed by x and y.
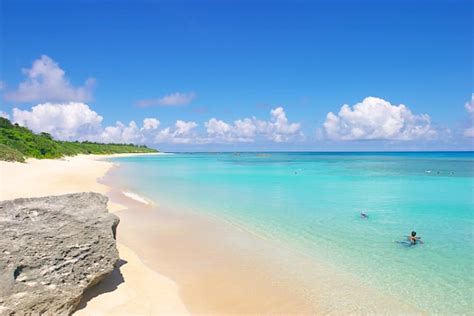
pixel 52 249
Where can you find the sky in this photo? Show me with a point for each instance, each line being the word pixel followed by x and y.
pixel 242 75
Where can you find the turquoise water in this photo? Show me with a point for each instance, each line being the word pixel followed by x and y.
pixel 311 202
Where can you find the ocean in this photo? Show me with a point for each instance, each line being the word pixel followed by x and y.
pixel 311 202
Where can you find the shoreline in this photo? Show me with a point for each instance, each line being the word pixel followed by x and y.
pixel 223 268
pixel 177 263
pixel 132 287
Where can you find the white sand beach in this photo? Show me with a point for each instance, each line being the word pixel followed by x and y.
pixel 133 288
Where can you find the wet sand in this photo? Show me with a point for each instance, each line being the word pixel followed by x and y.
pixel 133 288
pixel 222 269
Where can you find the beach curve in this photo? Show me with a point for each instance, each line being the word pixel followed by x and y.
pixel 133 287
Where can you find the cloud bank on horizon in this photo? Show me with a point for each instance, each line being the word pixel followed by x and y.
pixel 77 121
pixel 62 111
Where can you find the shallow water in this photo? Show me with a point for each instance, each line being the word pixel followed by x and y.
pixel 311 202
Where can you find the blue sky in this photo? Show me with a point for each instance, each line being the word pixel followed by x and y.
pixel 229 60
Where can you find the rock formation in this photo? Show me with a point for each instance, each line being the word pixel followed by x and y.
pixel 52 249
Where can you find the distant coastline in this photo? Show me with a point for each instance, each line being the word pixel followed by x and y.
pixel 18 143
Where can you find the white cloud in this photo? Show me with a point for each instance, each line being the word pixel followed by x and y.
pixel 377 119
pixel 150 123
pixel 46 81
pixel 4 115
pixel 184 128
pixel 245 128
pixel 181 134
pixel 174 99
pixel 65 121
pixel 469 132
pixel 277 129
pixel 77 121
pixel 121 133
pixel 280 129
pixel 470 105
pixel 217 127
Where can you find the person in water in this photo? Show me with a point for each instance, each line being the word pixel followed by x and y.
pixel 363 215
pixel 413 239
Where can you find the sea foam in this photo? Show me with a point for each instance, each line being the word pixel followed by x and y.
pixel 136 197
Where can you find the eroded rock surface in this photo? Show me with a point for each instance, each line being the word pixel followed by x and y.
pixel 52 249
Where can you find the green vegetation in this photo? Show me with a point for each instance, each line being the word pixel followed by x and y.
pixel 17 142
pixel 10 154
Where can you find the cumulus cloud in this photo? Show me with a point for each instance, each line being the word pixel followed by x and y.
pixel 182 133
pixel 77 121
pixel 217 127
pixel 377 119
pixel 150 123
pixel 121 133
pixel 245 128
pixel 174 99
pixel 469 106
pixel 47 82
pixel 4 115
pixel 184 128
pixel 277 129
pixel 68 121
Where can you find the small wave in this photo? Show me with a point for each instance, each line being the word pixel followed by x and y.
pixel 163 153
pixel 136 197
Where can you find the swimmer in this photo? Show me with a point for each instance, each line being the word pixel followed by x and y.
pixel 413 239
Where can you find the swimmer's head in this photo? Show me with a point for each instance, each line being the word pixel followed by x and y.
pixel 413 233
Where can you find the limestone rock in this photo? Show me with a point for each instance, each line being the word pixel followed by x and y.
pixel 52 249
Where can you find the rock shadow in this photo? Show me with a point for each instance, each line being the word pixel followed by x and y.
pixel 108 284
